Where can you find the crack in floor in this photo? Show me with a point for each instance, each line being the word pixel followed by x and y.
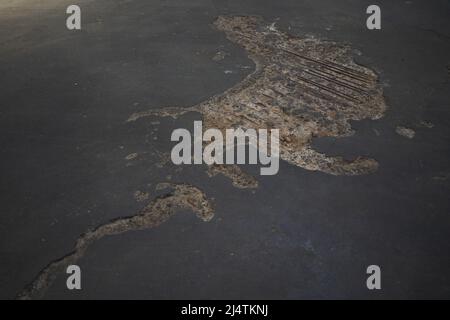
pixel 182 196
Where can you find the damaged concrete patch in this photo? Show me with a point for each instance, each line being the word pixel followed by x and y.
pixel 182 196
pixel 219 56
pixel 304 87
pixel 140 196
pixel 405 132
pixel 239 178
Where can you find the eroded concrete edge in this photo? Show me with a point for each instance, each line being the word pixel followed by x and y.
pixel 182 196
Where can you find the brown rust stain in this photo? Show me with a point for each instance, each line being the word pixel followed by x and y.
pixel 304 87
pixel 182 196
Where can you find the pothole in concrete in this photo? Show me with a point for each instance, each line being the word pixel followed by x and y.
pixel 304 87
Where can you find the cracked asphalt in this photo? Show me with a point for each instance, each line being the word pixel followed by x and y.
pixel 71 162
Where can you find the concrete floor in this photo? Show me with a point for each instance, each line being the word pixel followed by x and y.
pixel 65 97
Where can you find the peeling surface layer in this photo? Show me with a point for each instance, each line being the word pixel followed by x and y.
pixel 159 210
pixel 306 88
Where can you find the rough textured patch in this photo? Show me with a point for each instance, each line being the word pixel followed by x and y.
pixel 183 196
pixel 239 178
pixel 303 86
pixel 140 196
pixel 219 56
pixel 405 132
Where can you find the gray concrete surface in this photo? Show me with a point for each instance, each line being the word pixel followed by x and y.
pixel 65 97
